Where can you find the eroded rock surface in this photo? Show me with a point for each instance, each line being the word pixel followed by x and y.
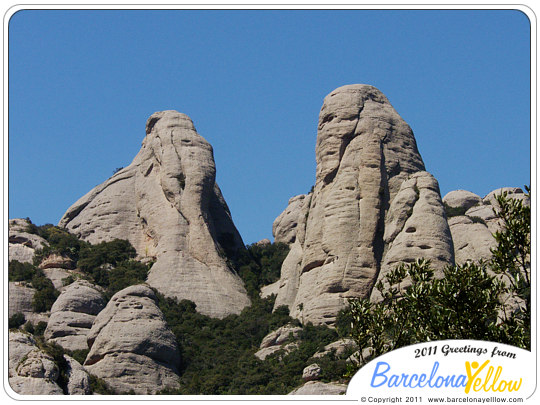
pixel 168 205
pixel 372 202
pixel 131 347
pixel 282 338
pixel 31 371
pixel 284 226
pixel 73 314
pixel 22 244
pixel 472 232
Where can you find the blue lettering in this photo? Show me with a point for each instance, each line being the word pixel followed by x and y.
pixel 433 372
pixel 381 374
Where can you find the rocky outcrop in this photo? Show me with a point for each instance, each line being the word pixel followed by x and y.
pixel 280 339
pixel 284 227
pixel 73 314
pixel 338 348
pixel 131 347
pixel 311 372
pixel 22 244
pixel 168 205
pixel 31 371
pixel 78 378
pixel 473 228
pixel 372 205
pixel 320 388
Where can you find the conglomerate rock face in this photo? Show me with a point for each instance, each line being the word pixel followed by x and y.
pixel 373 205
pixel 168 205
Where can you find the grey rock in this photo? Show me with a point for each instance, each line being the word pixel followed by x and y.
pixel 31 371
pixel 280 339
pixel 73 314
pixel 168 205
pixel 359 218
pixel 472 241
pixel 78 378
pixel 339 348
pixel 22 245
pixel 284 226
pixel 320 388
pixel 131 347
pixel 311 372
pixel 20 298
pixel 269 289
pixel 281 335
pixel 462 199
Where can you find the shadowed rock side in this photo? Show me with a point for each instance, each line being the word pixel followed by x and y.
pixel 373 205
pixel 168 205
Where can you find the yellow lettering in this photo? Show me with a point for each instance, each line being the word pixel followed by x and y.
pixel 470 375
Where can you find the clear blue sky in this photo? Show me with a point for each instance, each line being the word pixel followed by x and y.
pixel 83 83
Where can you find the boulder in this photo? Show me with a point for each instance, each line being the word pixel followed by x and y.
pixel 131 348
pixel 311 372
pixel 462 199
pixel 73 314
pixel 372 203
pixel 280 339
pixel 31 371
pixel 23 244
pixel 340 348
pixel 320 388
pixel 169 206
pixel 56 261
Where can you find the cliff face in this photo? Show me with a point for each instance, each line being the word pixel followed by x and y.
pixel 372 206
pixel 168 205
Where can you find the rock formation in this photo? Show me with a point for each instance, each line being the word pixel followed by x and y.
pixel 284 227
pixel 168 205
pixel 73 314
pixel 280 339
pixel 131 347
pixel 475 222
pixel 23 244
pixel 372 206
pixel 31 371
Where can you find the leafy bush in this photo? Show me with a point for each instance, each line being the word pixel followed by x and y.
pixel 260 265
pixel 16 320
pixel 111 253
pixel 18 271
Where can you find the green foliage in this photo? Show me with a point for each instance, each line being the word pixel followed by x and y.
pixel 16 320
pixel 98 386
pixel 60 242
pixel 111 265
pixel 45 294
pixel 79 355
pixel 260 265
pixel 218 354
pixel 512 261
pixel 111 253
pixel 466 303
pixel 18 271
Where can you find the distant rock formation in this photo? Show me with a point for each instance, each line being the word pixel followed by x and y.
pixel 372 206
pixel 168 205
pixel 131 347
pixel 475 221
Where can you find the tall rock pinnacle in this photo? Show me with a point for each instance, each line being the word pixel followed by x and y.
pixel 168 205
pixel 373 206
